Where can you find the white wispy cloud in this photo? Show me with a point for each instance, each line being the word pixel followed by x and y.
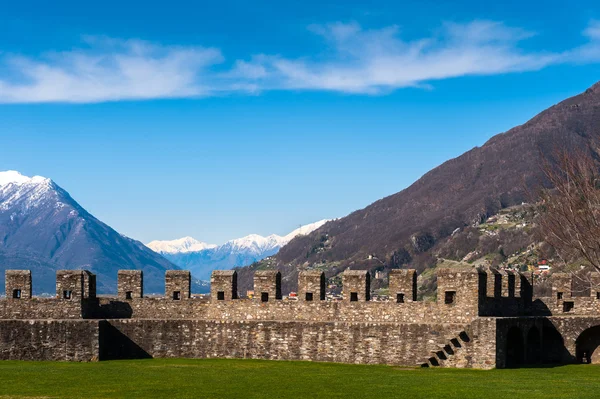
pixel 108 70
pixel 354 60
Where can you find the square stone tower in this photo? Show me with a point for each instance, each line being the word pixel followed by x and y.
pixel 130 284
pixel 267 285
pixel 18 284
pixel 223 285
pixel 178 284
pixel 462 287
pixel 403 285
pixel 69 284
pixel 356 285
pixel 311 285
pixel 562 285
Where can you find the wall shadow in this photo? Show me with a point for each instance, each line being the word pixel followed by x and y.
pixel 116 345
pixel 530 343
pixel 114 310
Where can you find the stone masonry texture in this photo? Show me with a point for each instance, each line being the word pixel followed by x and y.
pixel 481 319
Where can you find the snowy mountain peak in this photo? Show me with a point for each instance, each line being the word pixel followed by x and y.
pixel 181 245
pixel 23 192
pixel 12 176
pixel 239 252
pixel 304 230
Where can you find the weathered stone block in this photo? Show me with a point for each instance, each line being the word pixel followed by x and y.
pixel 356 285
pixel 311 285
pixel 18 284
pixel 267 285
pixel 465 288
pixel 223 285
pixel 178 284
pixel 562 286
pixel 403 285
pixel 130 284
pixel 69 284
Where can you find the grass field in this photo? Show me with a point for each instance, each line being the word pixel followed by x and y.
pixel 159 378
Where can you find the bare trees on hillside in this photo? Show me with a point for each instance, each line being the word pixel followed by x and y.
pixel 570 210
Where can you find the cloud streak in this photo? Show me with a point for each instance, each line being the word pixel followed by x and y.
pixel 355 60
pixel 108 70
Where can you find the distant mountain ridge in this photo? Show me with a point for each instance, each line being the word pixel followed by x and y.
pixel 181 245
pixel 44 229
pixel 238 252
pixel 404 229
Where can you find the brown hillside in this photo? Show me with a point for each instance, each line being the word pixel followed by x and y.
pixel 460 192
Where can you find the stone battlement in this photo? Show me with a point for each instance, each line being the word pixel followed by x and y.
pixel 479 319
pixel 462 295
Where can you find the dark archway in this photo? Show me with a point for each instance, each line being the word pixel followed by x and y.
pixel 553 346
pixel 514 347
pixel 587 346
pixel 534 346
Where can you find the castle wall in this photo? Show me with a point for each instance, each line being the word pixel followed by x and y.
pixel 364 343
pixel 246 309
pixel 65 340
pixel 46 308
pixel 472 323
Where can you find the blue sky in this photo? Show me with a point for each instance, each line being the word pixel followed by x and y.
pixel 221 119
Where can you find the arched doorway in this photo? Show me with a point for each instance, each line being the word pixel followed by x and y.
pixel 587 346
pixel 534 348
pixel 514 347
pixel 554 346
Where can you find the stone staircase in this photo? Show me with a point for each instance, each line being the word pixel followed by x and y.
pixel 445 355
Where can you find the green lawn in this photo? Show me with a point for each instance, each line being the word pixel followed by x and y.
pixel 159 378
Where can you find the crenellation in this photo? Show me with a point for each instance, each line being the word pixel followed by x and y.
pixel 356 285
pixel 223 285
pixel 463 288
pixel 562 286
pixel 526 286
pixel 18 284
pixel 311 285
pixel 89 284
pixel 403 285
pixel 130 284
pixel 510 283
pixel 267 285
pixel 178 284
pixel 400 332
pixel 70 284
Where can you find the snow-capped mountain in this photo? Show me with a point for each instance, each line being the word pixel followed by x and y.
pixel 181 245
pixel 43 229
pixel 239 252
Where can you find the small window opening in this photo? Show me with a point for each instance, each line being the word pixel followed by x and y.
pixel 559 295
pixel 598 295
pixel 264 297
pixel 449 297
pixel 67 294
pixel 568 306
pixel 177 295
pixel 17 294
pixel 399 298
pixel 221 295
pixel 128 294
pixel 354 297
pixel 309 296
